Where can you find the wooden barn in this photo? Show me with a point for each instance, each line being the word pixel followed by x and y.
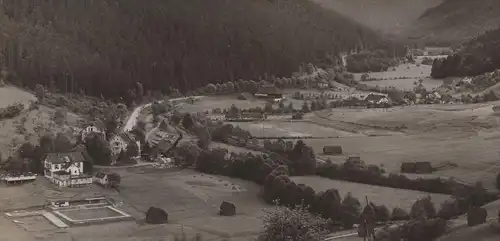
pixel 423 167
pixel 332 150
pixel 408 167
pixel 416 167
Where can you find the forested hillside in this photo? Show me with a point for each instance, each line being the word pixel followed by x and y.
pixel 456 21
pixel 480 55
pixel 105 46
pixel 388 16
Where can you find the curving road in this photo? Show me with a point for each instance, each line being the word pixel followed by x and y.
pixel 132 119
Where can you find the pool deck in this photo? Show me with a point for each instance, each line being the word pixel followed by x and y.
pixel 49 216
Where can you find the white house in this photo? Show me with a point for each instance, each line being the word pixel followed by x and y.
pixel 378 99
pixel 90 129
pixel 66 169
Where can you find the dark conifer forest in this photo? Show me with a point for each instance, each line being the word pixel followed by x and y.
pixel 478 56
pixel 103 47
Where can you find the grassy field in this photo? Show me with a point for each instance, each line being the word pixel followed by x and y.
pixel 9 95
pixel 464 135
pixel 193 199
pixel 412 73
pixel 390 197
pixel 284 128
pixel 209 103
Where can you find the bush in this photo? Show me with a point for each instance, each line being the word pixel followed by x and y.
pixel 424 229
pixel 295 223
pixel 423 207
pixel 399 214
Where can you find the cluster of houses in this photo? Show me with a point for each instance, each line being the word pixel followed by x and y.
pixel 70 169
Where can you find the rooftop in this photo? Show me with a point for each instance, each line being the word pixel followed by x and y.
pixel 57 158
pixel 269 90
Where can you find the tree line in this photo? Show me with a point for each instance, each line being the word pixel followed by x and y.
pixel 90 46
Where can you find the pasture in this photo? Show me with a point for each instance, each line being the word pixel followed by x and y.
pixel 390 197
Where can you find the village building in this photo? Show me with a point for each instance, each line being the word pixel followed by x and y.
pixel 269 92
pixel 332 150
pixel 322 84
pixel 164 133
pixel 92 128
pixel 120 142
pixel 377 99
pixel 101 178
pixel 66 169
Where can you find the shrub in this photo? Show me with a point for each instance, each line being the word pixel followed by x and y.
pixel 423 208
pixel 424 229
pixel 399 214
pixel 295 223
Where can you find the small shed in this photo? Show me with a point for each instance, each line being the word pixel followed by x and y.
pixel 227 209
pixel 408 167
pixel 101 178
pixel 332 150
pixel 423 167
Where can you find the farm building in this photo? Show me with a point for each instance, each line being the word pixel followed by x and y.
pixel 101 178
pixel 408 167
pixel 423 167
pixel 416 167
pixel 378 99
pixel 332 150
pixel 269 92
pixel 119 142
pixel 92 128
pixel 66 169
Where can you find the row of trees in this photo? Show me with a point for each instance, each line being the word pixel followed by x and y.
pixel 56 43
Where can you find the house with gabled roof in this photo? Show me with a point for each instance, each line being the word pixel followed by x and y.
pixel 269 92
pixel 66 169
pixel 120 142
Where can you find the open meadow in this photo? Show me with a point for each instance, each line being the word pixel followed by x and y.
pixel 402 77
pixel 10 95
pixel 193 199
pixel 461 137
pixel 290 129
pixel 390 197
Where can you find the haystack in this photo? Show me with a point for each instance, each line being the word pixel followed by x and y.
pixel 332 150
pixel 227 209
pixel 156 216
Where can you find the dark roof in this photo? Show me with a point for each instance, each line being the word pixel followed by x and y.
pixel 165 127
pixel 269 90
pixel 127 137
pixel 100 175
pixel 57 158
pixel 374 97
